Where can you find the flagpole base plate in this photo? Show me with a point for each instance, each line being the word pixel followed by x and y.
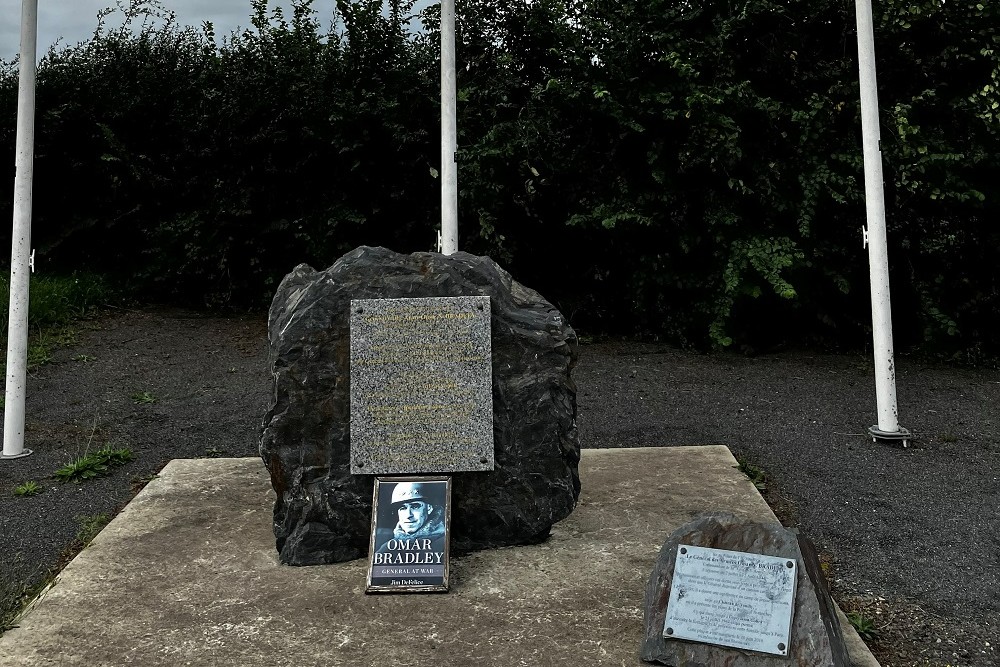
pixel 26 452
pixel 900 437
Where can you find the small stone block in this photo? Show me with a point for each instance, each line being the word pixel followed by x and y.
pixel 815 638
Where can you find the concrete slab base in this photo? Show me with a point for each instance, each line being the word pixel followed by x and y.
pixel 187 574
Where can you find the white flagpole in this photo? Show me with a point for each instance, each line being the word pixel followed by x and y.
pixel 888 428
pixel 20 252
pixel 449 132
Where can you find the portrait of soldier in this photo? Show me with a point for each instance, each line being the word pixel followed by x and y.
pixel 418 508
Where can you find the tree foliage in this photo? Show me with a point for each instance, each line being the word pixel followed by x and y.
pixel 687 169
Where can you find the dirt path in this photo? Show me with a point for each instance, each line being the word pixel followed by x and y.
pixel 913 535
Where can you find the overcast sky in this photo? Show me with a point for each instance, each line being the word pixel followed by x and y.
pixel 74 20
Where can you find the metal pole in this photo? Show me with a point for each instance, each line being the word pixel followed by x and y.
pixel 20 251
pixel 449 132
pixel 878 261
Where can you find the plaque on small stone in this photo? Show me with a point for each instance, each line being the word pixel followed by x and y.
pixel 732 598
pixel 421 385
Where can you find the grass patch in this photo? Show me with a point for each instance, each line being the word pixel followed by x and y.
pixel 27 489
pixel 53 304
pixel 784 508
pixel 864 625
pixel 90 526
pixel 139 483
pixel 96 464
pixel 43 344
pixel 55 301
pixel 14 597
pixel 754 473
pixel 38 355
pixel 143 398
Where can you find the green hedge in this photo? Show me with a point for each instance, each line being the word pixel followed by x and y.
pixel 689 170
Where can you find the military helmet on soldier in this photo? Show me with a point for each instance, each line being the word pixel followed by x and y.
pixel 407 491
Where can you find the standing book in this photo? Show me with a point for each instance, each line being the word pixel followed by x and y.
pixel 411 531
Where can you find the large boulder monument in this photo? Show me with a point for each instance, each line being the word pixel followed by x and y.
pixel 323 510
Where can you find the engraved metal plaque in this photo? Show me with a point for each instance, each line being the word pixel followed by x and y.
pixel 421 385
pixel 732 598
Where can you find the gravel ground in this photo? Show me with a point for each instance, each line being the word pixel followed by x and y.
pixel 910 535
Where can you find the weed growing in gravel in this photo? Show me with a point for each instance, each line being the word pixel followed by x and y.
pixel 85 467
pixel 754 472
pixel 864 625
pixel 14 597
pixel 116 457
pixel 90 526
pixel 17 594
pixel 26 489
pixel 94 465
pixel 143 398
pixel 53 304
pixel 43 343
pixel 85 358
pixel 38 355
pixel 139 483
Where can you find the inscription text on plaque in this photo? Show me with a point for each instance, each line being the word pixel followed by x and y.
pixel 421 385
pixel 732 598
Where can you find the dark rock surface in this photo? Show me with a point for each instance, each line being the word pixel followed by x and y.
pixel 323 512
pixel 816 637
